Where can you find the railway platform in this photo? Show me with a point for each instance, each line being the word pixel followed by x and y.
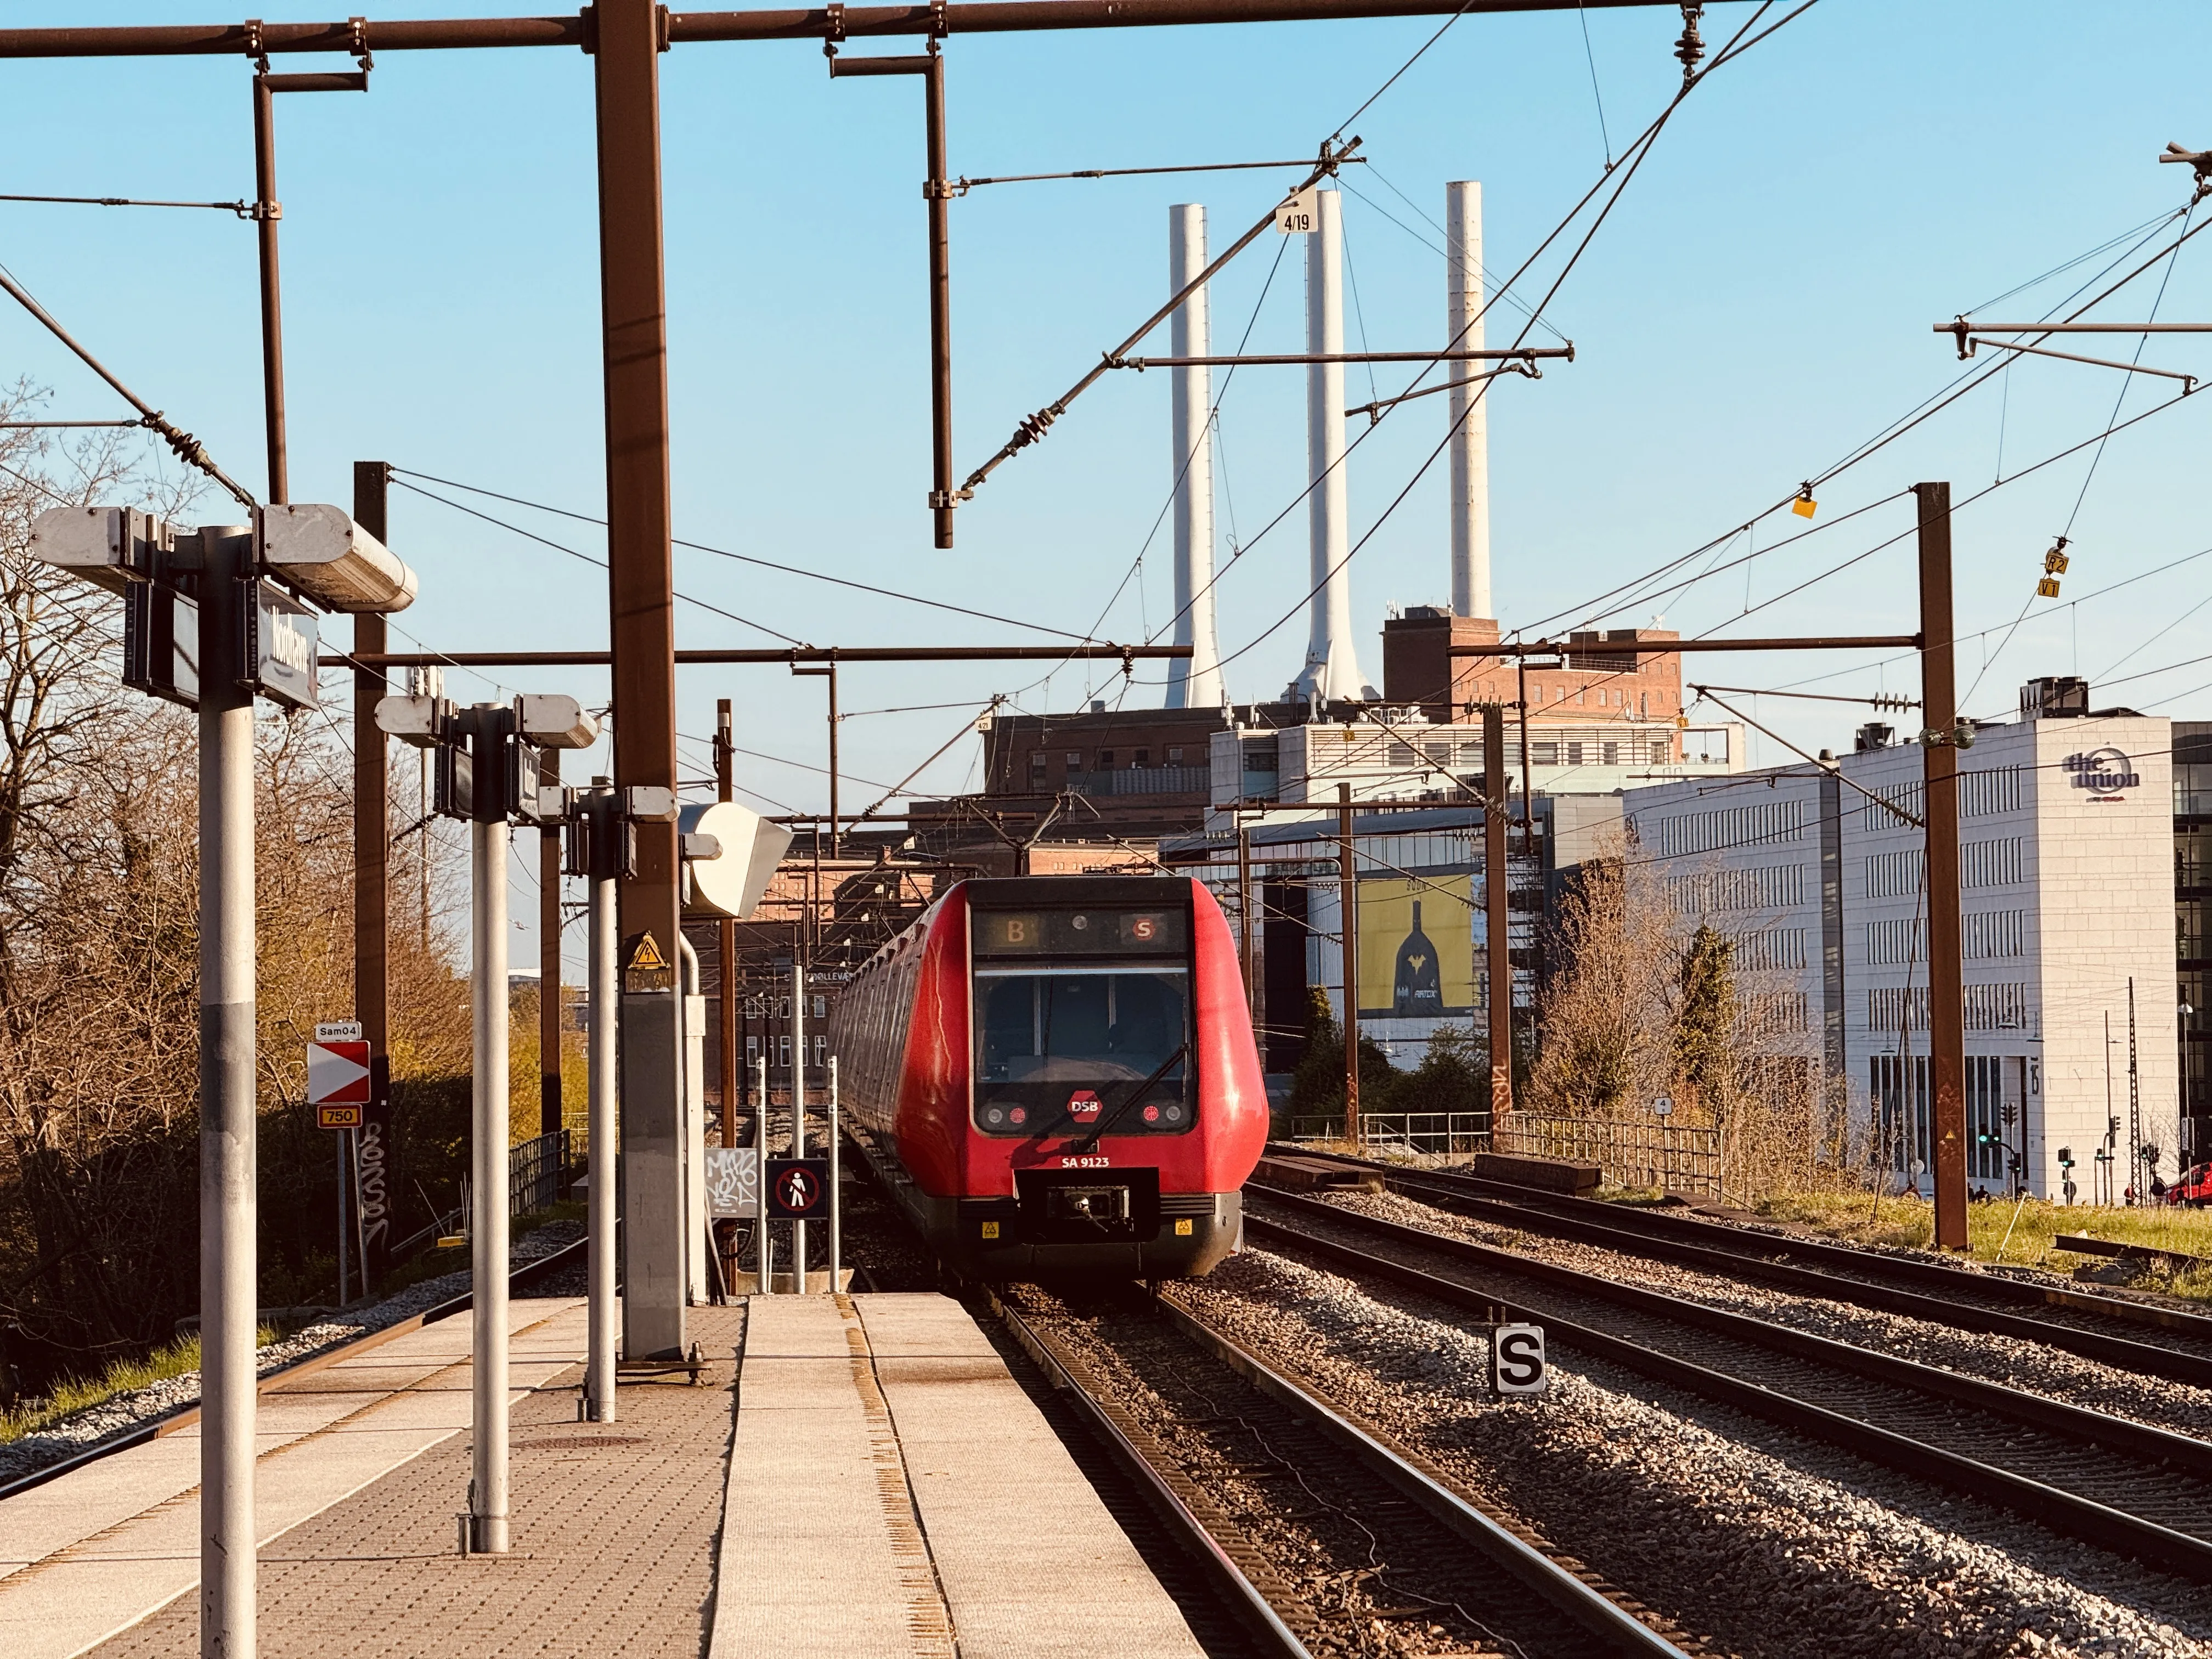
pixel 850 1476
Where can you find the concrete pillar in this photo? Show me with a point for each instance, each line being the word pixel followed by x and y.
pixel 1331 669
pixel 1196 683
pixel 1470 413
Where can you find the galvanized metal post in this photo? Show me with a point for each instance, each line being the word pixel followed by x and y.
pixel 642 647
pixel 2138 1175
pixel 345 1161
pixel 487 1244
pixel 1496 886
pixel 764 1247
pixel 549 1113
pixel 836 1196
pixel 1347 928
pixel 797 1111
pixel 229 1314
pixel 1947 1014
pixel 604 843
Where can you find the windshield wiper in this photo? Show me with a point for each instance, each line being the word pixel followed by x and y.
pixel 1107 1120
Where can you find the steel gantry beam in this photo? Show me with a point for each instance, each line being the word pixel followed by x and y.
pixel 782 23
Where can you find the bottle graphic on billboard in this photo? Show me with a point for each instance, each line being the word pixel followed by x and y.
pixel 1417 988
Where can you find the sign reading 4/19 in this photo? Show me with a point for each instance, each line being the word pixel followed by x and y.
pixel 1299 214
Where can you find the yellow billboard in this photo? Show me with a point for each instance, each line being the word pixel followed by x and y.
pixel 1416 948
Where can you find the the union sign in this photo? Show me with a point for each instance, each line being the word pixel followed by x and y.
pixel 2106 773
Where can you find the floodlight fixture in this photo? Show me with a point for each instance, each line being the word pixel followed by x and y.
pixel 419 722
pixel 320 551
pixel 555 722
pixel 111 547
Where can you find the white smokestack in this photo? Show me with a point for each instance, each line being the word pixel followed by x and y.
pixel 1195 683
pixel 1331 669
pixel 1470 443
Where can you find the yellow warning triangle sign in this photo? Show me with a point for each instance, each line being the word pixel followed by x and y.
pixel 647 955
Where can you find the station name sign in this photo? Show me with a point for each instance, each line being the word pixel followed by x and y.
pixel 2106 773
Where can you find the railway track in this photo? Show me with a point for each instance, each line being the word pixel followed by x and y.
pixel 2142 1492
pixel 522 1279
pixel 2138 1337
pixel 1395 1541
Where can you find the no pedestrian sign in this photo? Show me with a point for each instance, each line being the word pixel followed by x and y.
pixel 338 1083
pixel 798 1187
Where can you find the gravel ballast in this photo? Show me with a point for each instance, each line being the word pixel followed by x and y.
pixel 2015 1362
pixel 1758 1541
pixel 80 1431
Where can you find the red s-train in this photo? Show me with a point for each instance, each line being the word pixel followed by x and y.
pixel 1056 1074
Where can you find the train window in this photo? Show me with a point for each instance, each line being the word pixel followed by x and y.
pixel 1059 1052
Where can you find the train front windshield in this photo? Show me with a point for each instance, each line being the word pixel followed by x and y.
pixel 1082 1021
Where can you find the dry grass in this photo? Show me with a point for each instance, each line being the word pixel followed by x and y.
pixel 2025 1239
pixel 74 1394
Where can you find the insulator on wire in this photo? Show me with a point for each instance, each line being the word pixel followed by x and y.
pixel 1691 48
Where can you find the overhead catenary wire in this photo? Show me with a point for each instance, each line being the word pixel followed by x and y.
pixel 963 184
pixel 244 209
pixel 1634 156
pixel 586 558
pixel 1627 594
pixel 766 564
pixel 1640 150
pixel 188 449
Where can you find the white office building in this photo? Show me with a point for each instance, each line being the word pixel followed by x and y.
pixel 2066 855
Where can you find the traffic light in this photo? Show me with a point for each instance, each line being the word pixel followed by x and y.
pixel 2065 1158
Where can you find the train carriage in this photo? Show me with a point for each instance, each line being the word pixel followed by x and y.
pixel 1056 1074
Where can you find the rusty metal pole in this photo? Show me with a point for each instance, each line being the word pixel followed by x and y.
pixel 939 189
pixel 1348 926
pixel 267 211
pixel 1244 919
pixel 642 639
pixel 726 1023
pixel 1497 922
pixel 1947 1032
pixel 833 757
pixel 371 914
pixel 549 1113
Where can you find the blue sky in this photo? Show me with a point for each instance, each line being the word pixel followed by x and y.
pixel 1758 305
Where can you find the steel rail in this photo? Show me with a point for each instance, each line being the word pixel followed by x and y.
pixel 1756 1256
pixel 1847 1259
pixel 522 1278
pixel 2070 1513
pixel 1259 1620
pixel 833 22
pixel 2117 1434
pixel 1588 1607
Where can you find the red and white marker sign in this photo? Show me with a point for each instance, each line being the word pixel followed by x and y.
pixel 337 1083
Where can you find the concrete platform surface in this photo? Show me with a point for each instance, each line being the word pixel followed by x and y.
pixel 894 1492
pixel 852 1477
pixel 102 1547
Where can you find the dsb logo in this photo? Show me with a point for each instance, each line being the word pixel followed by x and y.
pixel 1517 1360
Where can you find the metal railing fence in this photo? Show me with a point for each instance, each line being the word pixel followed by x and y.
pixel 1633 1152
